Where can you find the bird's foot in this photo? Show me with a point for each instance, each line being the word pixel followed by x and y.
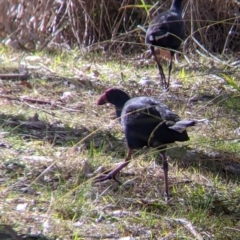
pixel 112 174
pixel 166 197
pixel 163 83
pixel 167 83
pixel 107 176
pixel 166 88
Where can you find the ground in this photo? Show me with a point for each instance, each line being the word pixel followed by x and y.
pixel 54 140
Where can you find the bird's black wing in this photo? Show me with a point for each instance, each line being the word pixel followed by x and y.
pixel 152 107
pixel 148 122
pixel 158 28
pixel 157 108
pixel 166 29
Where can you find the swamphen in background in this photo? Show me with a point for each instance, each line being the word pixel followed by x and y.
pixel 166 30
pixel 146 122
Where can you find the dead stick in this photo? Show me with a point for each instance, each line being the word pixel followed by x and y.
pixel 190 227
pixel 14 76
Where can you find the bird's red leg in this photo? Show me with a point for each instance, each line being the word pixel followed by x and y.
pixel 165 170
pixel 112 174
pixel 160 69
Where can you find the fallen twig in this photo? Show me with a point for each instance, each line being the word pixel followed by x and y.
pixel 27 99
pixel 14 76
pixel 188 225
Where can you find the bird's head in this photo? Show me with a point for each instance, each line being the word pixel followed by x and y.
pixel 115 96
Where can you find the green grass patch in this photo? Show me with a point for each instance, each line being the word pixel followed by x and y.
pixel 51 148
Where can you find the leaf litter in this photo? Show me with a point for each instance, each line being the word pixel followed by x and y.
pixel 54 139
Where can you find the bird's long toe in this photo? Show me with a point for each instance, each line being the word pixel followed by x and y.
pixel 108 176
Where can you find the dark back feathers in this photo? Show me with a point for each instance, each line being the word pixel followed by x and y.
pixel 167 28
pixel 146 121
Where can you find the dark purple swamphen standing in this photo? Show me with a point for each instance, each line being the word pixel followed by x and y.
pixel 166 30
pixel 146 122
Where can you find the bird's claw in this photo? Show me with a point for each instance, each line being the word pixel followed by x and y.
pixel 166 197
pixel 104 177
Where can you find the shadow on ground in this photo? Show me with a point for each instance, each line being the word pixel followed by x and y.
pixel 7 233
pixel 56 133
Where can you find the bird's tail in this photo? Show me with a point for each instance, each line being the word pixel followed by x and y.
pixel 181 126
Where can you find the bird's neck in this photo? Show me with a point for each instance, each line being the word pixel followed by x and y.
pixel 120 104
pixel 118 111
pixel 176 6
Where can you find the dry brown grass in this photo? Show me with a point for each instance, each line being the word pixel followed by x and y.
pixel 112 25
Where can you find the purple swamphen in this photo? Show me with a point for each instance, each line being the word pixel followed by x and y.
pixel 146 122
pixel 166 30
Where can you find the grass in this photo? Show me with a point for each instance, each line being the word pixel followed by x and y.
pixel 45 159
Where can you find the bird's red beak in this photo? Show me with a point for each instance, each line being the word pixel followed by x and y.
pixel 102 100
